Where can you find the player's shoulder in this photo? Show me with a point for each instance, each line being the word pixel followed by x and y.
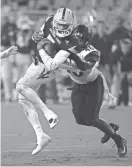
pixel 91 49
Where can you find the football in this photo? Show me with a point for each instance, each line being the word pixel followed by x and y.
pixel 50 49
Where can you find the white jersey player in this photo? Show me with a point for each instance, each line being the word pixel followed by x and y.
pixel 44 71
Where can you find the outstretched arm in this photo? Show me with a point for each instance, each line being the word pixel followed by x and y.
pixel 53 63
pixel 59 58
pixel 8 52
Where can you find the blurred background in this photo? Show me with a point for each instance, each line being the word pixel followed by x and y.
pixel 111 24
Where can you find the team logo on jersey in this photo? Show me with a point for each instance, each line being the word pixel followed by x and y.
pixel 44 75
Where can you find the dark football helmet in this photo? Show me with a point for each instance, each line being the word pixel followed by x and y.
pixel 84 33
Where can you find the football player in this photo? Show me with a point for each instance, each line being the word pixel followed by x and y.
pixel 58 29
pixel 88 91
pixel 87 95
pixel 8 52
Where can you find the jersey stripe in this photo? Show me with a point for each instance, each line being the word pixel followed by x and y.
pixel 63 14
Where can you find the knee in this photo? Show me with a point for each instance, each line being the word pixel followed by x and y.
pixel 80 120
pixel 84 122
pixel 20 85
pixel 21 98
pixel 93 121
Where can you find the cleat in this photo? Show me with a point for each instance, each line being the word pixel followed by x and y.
pixel 122 148
pixel 106 138
pixel 53 122
pixel 43 141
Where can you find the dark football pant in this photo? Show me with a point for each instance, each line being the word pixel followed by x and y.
pixel 86 101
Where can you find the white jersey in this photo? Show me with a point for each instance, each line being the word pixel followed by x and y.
pixel 42 73
pixel 37 75
pixel 82 77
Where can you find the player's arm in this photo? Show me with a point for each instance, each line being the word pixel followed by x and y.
pixel 8 52
pixel 81 63
pixel 91 59
pixel 53 63
pixel 57 61
pixel 59 58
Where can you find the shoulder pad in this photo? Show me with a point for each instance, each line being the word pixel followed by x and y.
pixel 90 49
pixel 87 51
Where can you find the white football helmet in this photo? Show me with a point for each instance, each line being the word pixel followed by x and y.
pixel 63 22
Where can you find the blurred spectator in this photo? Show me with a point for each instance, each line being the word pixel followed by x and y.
pixel 114 14
pixel 23 5
pixel 24 43
pixel 8 38
pixel 100 42
pixel 32 4
pixel 42 6
pixel 42 93
pixel 8 32
pixel 23 58
pixel 122 68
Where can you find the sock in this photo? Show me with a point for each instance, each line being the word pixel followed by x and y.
pixel 32 116
pixel 104 127
pixel 117 138
pixel 32 96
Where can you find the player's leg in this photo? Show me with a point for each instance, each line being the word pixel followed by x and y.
pixel 32 116
pixel 6 72
pixel 90 96
pixel 26 86
pixel 96 121
pixel 106 138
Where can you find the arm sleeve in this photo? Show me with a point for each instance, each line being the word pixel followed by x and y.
pixel 54 63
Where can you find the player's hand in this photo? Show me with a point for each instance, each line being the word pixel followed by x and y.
pixel 42 43
pixel 81 64
pixel 11 51
pixel 37 36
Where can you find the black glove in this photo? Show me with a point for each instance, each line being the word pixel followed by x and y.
pixel 81 64
pixel 37 36
pixel 42 43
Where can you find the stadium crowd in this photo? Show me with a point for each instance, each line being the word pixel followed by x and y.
pixel 111 24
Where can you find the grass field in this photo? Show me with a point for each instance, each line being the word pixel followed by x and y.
pixel 71 144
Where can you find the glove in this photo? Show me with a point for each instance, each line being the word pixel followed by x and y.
pixel 37 36
pixel 81 64
pixel 42 43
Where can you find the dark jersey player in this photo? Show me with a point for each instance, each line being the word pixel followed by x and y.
pixel 87 97
pixel 88 90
